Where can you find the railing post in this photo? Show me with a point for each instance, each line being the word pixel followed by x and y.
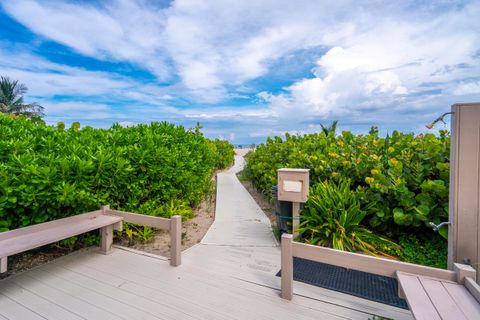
pixel 117 226
pixel 176 241
pixel 287 266
pixel 3 264
pixel 463 271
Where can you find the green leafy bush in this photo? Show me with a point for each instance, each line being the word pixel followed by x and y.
pixel 225 153
pixel 332 217
pixel 401 180
pixel 428 249
pixel 167 209
pixel 48 172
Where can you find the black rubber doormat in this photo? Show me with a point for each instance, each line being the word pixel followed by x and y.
pixel 357 283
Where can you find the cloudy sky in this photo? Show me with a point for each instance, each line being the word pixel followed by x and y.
pixel 244 69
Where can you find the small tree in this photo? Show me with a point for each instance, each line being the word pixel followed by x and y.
pixel 331 129
pixel 11 99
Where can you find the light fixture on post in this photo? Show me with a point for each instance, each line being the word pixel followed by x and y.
pixel 293 186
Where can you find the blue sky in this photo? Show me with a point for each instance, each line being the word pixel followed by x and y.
pixel 244 69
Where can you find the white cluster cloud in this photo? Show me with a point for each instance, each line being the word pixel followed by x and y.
pixel 370 59
pixel 120 30
pixel 46 79
pixel 388 65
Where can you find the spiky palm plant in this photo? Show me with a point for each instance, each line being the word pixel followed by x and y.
pixel 330 129
pixel 332 217
pixel 11 99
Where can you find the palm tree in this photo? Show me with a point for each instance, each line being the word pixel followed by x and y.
pixel 331 129
pixel 11 99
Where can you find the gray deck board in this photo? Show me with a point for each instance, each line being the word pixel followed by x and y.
pixel 12 310
pixel 464 300
pixel 196 289
pixel 36 303
pixel 62 297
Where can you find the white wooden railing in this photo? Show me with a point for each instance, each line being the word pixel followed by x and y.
pixel 360 262
pixel 173 225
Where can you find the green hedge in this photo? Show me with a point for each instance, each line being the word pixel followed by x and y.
pixel 225 154
pixel 49 172
pixel 402 179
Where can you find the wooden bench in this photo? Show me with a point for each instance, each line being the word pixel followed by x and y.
pixel 433 298
pixel 23 239
pixel 105 219
pixel 431 293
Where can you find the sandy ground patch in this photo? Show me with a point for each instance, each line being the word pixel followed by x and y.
pixel 242 152
pixel 193 231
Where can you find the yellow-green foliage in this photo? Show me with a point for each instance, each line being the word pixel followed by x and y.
pixel 401 180
pixel 51 172
pixel 225 153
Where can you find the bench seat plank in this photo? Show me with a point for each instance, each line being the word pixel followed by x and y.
pixel 432 298
pixel 417 299
pixel 441 299
pixel 49 224
pixel 53 233
pixel 462 297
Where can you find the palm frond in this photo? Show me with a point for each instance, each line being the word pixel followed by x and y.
pixel 333 216
pixel 11 99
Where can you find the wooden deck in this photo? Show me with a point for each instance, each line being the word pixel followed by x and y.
pixel 230 275
pixel 229 283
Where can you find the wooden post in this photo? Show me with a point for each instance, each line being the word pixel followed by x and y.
pixel 464 271
pixel 117 226
pixel 3 264
pixel 287 266
pixel 106 238
pixel 105 209
pixel 176 241
pixel 295 218
pixel 464 210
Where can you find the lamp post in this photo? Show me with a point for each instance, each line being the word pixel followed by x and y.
pixel 293 186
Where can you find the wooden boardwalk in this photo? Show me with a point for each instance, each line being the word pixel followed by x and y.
pixel 229 275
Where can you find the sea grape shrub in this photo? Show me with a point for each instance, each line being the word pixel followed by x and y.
pixel 49 172
pixel 224 153
pixel 401 180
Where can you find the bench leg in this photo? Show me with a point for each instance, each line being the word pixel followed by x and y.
pixel 176 241
pixel 3 264
pixel 106 238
